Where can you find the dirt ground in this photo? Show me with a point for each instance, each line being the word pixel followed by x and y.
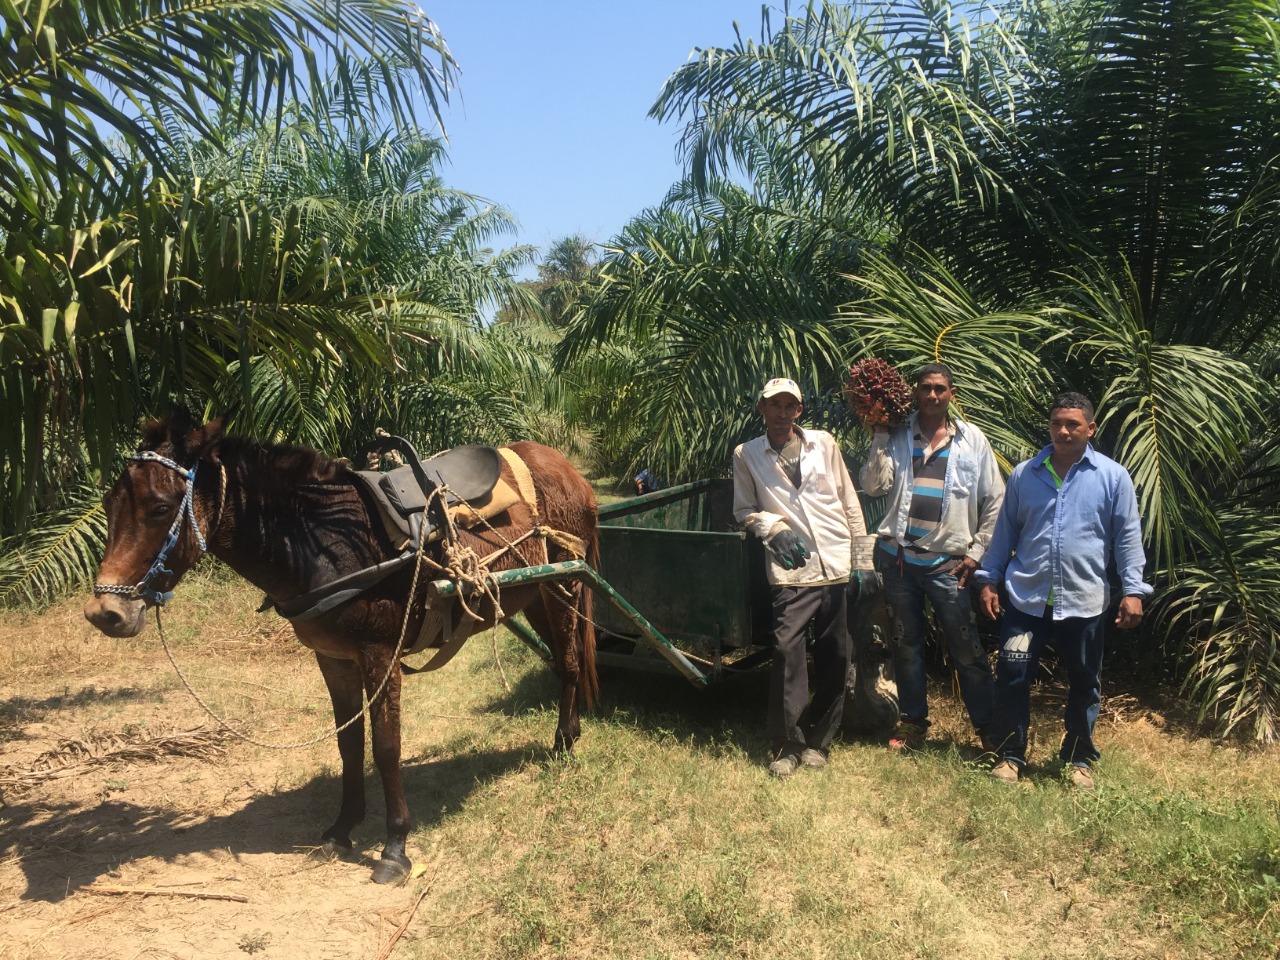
pixel 115 780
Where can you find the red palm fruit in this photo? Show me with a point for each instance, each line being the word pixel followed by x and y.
pixel 877 394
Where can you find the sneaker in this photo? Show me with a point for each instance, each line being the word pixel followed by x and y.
pixel 988 745
pixel 908 736
pixel 813 759
pixel 1006 771
pixel 784 766
pixel 1081 776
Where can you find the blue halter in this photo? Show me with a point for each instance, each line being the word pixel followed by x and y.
pixel 145 589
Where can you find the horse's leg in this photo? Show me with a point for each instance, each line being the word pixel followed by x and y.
pixel 555 618
pixel 342 677
pixel 384 716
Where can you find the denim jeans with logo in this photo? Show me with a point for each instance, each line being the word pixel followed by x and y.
pixel 905 590
pixel 1078 641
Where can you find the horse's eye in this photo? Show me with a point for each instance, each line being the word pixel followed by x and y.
pixel 160 510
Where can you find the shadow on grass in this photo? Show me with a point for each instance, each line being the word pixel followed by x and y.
pixel 18 710
pixel 64 847
pixel 728 711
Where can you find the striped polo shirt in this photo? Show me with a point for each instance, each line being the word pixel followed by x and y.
pixel 928 476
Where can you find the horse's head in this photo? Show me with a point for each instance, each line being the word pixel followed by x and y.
pixel 153 534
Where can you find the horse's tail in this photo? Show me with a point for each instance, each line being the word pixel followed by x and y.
pixel 588 679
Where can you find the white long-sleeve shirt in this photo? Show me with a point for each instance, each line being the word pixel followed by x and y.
pixel 823 511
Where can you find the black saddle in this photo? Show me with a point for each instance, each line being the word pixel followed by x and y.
pixel 468 474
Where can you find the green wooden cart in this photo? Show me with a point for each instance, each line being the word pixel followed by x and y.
pixel 679 587
pixel 682 589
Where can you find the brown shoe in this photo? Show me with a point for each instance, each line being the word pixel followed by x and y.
pixel 813 758
pixel 1006 771
pixel 784 766
pixel 906 737
pixel 1081 776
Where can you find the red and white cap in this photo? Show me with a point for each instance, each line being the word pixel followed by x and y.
pixel 780 385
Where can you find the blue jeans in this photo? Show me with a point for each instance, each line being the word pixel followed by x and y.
pixel 905 591
pixel 1078 641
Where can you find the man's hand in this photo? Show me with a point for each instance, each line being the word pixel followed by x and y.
pixel 867 583
pixel 1130 614
pixel 788 549
pixel 964 570
pixel 989 601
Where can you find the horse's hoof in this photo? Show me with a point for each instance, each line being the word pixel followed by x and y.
pixel 391 870
pixel 331 850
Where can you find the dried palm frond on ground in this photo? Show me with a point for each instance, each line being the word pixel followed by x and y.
pixel 73 754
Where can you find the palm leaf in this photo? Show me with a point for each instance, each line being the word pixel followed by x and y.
pixel 59 553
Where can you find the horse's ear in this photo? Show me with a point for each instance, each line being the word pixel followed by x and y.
pixel 209 435
pixel 155 433
pixel 195 441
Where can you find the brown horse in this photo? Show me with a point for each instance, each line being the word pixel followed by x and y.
pixel 290 520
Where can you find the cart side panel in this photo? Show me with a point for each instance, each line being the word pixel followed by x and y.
pixel 704 505
pixel 694 587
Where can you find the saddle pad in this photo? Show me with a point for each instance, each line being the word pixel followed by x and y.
pixel 501 498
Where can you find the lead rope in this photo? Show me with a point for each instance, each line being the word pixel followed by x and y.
pixel 365 706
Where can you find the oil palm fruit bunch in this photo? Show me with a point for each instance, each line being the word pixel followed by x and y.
pixel 877 394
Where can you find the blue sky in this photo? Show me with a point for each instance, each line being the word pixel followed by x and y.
pixel 550 115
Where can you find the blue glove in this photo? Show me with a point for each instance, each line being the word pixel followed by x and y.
pixel 788 549
pixel 865 584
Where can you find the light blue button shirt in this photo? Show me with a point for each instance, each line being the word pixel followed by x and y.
pixel 1059 539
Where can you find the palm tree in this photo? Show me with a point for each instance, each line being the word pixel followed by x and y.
pixel 125 285
pixel 565 275
pixel 1085 191
pixel 711 293
pixel 376 199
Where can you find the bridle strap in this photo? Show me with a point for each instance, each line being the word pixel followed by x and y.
pixel 145 588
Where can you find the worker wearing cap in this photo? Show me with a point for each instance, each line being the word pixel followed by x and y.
pixel 792 490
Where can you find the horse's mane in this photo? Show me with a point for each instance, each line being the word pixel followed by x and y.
pixel 290 466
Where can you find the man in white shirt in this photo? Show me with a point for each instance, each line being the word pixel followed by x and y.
pixel 792 490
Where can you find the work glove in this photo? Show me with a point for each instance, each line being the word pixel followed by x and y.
pixel 788 549
pixel 865 585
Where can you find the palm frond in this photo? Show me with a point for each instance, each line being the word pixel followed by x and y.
pixel 79 80
pixel 1222 618
pixel 1169 411
pixel 59 554
pixel 926 315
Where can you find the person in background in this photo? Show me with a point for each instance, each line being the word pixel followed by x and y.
pixel 645 482
pixel 792 490
pixel 944 495
pixel 1069 510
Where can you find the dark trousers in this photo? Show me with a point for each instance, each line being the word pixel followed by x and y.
pixel 1078 641
pixel 794 722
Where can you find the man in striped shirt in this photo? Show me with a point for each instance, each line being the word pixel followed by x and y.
pixel 945 494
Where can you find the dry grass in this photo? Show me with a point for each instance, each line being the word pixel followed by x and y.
pixel 663 837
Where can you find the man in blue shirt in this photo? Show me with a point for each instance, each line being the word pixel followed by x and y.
pixel 1066 512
